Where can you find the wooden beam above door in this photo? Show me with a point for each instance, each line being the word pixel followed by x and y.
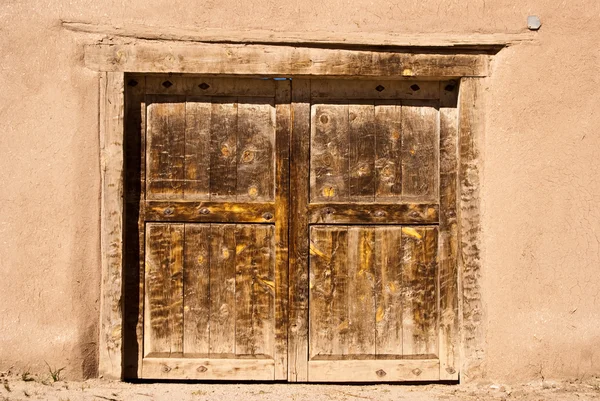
pixel 277 61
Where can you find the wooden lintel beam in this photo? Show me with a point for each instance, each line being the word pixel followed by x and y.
pixel 269 60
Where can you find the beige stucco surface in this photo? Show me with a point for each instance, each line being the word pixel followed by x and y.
pixel 540 195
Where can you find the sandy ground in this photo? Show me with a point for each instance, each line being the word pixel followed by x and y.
pixel 31 387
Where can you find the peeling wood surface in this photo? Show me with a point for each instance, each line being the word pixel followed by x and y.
pixel 492 42
pixel 279 61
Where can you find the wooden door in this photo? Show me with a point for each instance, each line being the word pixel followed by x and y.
pixel 373 257
pixel 213 218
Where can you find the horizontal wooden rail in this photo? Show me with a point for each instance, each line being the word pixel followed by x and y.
pixel 373 213
pixel 208 369
pixel 209 212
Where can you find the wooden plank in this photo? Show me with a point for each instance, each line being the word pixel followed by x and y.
pixel 388 152
pixel 329 321
pixel 209 212
pixel 223 151
pixel 111 220
pixel 448 245
pixel 197 149
pixel 133 236
pixel 388 271
pixel 374 371
pixel 420 149
pixel 419 292
pixel 222 290
pixel 375 213
pixel 207 86
pixel 263 60
pixel 256 145
pixel 337 89
pixel 165 147
pixel 163 312
pixel 298 255
pixel 283 125
pixel 196 289
pixel 254 290
pixel 470 134
pixel 329 153
pixel 362 309
pixel 207 369
pixel 361 152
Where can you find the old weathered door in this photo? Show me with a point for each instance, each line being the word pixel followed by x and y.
pixel 213 216
pixel 374 234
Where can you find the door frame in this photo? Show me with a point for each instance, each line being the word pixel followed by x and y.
pixel 114 62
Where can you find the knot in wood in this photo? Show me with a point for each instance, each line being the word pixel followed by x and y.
pixel 380 373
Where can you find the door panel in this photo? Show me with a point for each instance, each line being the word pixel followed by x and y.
pixel 214 213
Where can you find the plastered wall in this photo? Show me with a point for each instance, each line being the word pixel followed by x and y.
pixel 540 196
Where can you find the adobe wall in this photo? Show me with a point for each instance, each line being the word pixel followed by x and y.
pixel 540 194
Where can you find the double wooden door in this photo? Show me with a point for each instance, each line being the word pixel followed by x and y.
pixel 300 230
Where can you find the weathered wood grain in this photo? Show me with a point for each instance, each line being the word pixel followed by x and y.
pixel 329 153
pixel 361 89
pixel 419 292
pixel 388 149
pixel 111 232
pixel 373 213
pixel 279 61
pixel 165 147
pixel 329 321
pixel 420 149
pixel 299 248
pixel 283 126
pixel 470 133
pixel 377 371
pixel 196 289
pixel 448 245
pixel 209 212
pixel 360 290
pixel 208 86
pixel 197 149
pixel 223 149
pixel 388 280
pixel 163 318
pixel 207 369
pixel 254 291
pixel 256 145
pixel 361 152
pixel 222 290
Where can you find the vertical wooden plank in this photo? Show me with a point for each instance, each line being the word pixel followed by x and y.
pixel 165 147
pixel 388 158
pixel 448 245
pixel 283 125
pixel 419 314
pixel 163 315
pixel 329 153
pixel 298 277
pixel 420 143
pixel 197 149
pixel 133 236
pixel 256 145
pixel 196 285
pixel 223 153
pixel 360 291
pixel 254 291
pixel 470 133
pixel 388 268
pixel 222 291
pixel 111 218
pixel 361 153
pixel 329 321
